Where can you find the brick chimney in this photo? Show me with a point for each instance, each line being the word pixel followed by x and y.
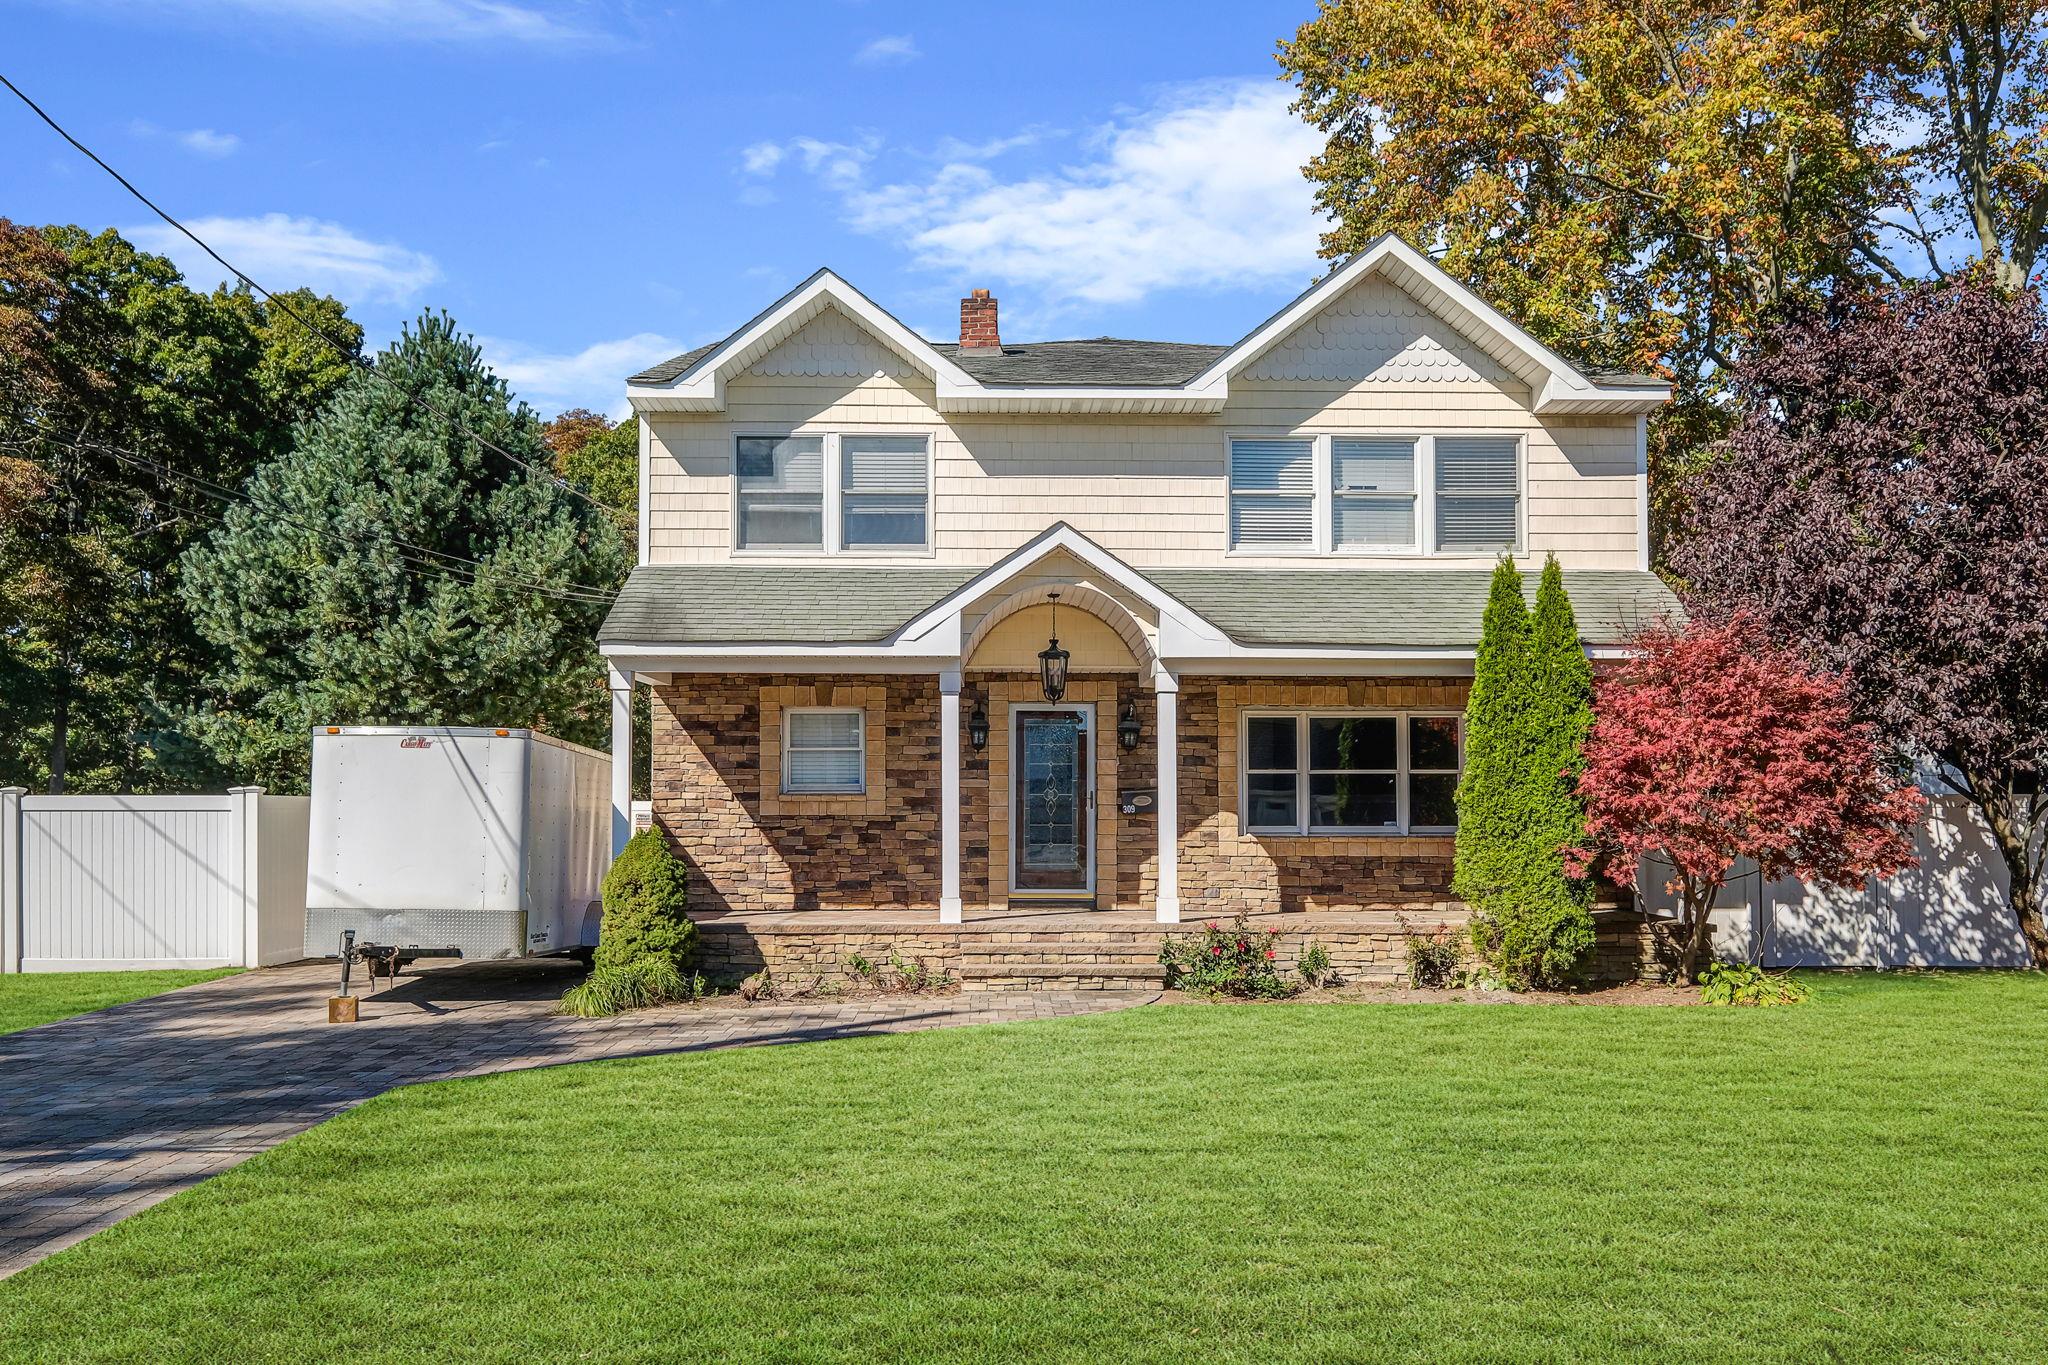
pixel 978 325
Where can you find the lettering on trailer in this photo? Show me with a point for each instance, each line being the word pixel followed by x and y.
pixel 415 742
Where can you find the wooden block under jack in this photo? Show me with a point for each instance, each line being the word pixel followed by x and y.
pixel 341 1009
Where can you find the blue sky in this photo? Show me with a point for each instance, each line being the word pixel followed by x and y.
pixel 589 187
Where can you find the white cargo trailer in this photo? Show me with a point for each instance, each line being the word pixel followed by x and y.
pixel 492 842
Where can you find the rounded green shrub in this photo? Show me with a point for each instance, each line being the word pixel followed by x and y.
pixel 645 895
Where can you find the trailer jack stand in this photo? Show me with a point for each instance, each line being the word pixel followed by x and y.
pixel 341 1009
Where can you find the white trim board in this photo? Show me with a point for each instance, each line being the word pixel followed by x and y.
pixel 1556 386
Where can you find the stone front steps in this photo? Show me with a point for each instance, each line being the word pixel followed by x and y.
pixel 1083 960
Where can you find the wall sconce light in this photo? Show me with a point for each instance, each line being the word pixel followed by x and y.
pixel 1127 728
pixel 977 725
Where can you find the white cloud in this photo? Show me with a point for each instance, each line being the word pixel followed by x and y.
pixel 435 20
pixel 199 141
pixel 1202 190
pixel 761 159
pixel 281 252
pixel 892 50
pixel 594 377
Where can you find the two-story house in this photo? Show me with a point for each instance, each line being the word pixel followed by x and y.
pixel 945 633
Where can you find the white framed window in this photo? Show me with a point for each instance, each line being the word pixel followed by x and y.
pixel 1349 772
pixel 1478 492
pixel 1373 493
pixel 824 751
pixel 780 493
pixel 827 492
pixel 1355 494
pixel 884 492
pixel 1272 493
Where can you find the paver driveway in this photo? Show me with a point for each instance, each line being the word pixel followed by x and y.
pixel 105 1114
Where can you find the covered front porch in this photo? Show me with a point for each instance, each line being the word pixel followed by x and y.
pixel 894 742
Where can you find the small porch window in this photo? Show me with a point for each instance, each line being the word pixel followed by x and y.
pixel 823 751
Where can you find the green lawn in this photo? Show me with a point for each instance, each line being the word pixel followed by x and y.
pixel 1864 1177
pixel 31 998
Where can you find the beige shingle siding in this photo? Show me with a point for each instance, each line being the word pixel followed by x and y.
pixel 1150 489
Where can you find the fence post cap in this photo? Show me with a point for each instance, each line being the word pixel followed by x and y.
pixel 13 791
pixel 245 791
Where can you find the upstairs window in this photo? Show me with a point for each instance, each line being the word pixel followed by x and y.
pixel 1272 494
pixel 1372 492
pixel 1310 772
pixel 832 492
pixel 1478 493
pixel 781 493
pixel 885 492
pixel 823 751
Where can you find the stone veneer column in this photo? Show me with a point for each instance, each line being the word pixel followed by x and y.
pixel 1167 901
pixel 949 796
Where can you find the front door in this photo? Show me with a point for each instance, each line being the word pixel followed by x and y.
pixel 1052 813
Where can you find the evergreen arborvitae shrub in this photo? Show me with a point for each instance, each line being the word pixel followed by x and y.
pixel 1490 791
pixel 1517 806
pixel 644 899
pixel 1548 928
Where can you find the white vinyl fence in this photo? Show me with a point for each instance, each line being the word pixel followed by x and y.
pixel 114 883
pixel 1950 911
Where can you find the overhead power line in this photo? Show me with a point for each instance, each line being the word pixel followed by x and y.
pixel 419 558
pixel 345 352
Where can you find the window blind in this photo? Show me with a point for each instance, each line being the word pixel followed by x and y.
pixel 1373 492
pixel 823 752
pixel 781 492
pixel 885 491
pixel 1478 492
pixel 1272 492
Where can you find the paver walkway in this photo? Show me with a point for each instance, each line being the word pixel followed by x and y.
pixel 105 1114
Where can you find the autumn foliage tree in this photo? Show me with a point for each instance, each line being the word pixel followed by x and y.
pixel 1645 185
pixel 1885 506
pixel 1711 744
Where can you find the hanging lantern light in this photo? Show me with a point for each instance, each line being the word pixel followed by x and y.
pixel 1127 727
pixel 1052 660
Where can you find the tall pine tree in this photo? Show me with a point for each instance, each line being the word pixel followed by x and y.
pixel 338 595
pixel 1524 724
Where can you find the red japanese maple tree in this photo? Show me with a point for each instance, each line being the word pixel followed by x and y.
pixel 1711 744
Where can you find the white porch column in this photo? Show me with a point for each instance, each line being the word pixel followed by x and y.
pixel 622 758
pixel 949 796
pixel 1166 688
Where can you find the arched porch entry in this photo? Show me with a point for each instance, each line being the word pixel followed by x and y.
pixel 1056 770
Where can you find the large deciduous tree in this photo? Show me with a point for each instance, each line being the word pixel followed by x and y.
pixel 391 569
pixel 1884 504
pixel 1644 185
pixel 602 459
pixel 1710 744
pixel 127 400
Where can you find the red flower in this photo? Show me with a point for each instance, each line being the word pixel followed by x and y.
pixel 1217 951
pixel 1269 952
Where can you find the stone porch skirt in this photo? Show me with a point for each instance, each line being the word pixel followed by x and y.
pixel 1069 950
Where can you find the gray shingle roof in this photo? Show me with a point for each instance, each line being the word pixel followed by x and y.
pixel 684 604
pixel 669 369
pixel 1398 608
pixel 1103 360
pixel 762 604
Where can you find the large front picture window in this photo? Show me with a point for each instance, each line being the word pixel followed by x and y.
pixel 1350 772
